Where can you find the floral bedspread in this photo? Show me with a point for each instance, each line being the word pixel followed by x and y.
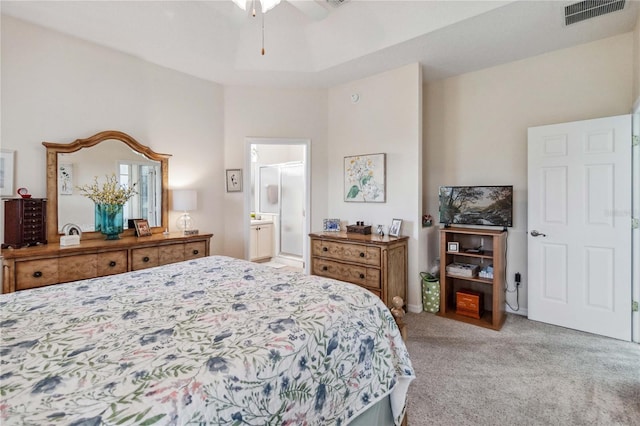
pixel 211 341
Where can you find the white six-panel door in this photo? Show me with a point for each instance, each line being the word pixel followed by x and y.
pixel 579 222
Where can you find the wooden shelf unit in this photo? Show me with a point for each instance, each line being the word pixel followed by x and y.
pixel 493 245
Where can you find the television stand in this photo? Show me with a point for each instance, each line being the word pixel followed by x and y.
pixel 473 292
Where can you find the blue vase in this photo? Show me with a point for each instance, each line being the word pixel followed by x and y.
pixel 109 220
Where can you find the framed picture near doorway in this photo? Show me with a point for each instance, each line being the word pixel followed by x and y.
pixel 234 180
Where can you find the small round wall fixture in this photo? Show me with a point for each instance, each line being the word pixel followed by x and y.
pixel 355 98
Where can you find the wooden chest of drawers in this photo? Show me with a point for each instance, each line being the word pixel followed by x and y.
pixel 32 267
pixel 25 222
pixel 378 264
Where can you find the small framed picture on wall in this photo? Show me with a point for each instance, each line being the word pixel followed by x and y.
pixel 234 180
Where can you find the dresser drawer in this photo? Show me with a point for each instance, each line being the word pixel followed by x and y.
pixel 361 275
pixel 36 273
pixel 113 262
pixel 79 267
pixel 358 253
pixel 144 258
pixel 194 250
pixel 171 254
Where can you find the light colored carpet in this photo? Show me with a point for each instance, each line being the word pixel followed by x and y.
pixel 529 373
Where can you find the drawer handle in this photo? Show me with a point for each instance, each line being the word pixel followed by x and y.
pixel 196 252
pixel 112 263
pixel 361 276
pixel 325 249
pixel 37 274
pixel 361 254
pixel 145 259
pixel 324 268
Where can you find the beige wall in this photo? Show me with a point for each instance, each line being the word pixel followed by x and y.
pixel 386 119
pixel 272 113
pixel 58 88
pixel 476 124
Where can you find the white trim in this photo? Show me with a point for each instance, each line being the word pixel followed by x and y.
pixel 522 311
pixel 416 309
pixel 635 238
pixel 306 143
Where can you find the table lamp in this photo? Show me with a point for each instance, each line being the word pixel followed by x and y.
pixel 185 200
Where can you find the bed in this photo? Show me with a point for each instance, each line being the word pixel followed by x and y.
pixel 214 340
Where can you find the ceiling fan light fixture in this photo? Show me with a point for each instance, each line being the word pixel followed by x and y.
pixel 266 5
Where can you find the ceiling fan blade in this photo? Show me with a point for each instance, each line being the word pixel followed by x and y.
pixel 310 8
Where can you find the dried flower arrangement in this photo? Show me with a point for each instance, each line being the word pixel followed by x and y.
pixel 110 193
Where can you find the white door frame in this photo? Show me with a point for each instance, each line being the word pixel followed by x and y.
pixel 635 238
pixel 306 144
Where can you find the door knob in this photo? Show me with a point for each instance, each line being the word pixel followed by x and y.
pixel 535 233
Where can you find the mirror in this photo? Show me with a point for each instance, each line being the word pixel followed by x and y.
pixel 106 153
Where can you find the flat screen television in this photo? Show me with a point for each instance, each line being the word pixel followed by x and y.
pixel 476 205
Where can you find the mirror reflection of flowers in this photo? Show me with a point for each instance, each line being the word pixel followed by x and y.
pixel 360 174
pixel 111 192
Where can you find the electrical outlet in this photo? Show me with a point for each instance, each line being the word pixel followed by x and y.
pixel 518 277
pixel 634 306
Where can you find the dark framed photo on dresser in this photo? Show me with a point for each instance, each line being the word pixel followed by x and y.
pixel 142 227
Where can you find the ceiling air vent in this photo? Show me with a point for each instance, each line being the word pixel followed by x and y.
pixel 588 9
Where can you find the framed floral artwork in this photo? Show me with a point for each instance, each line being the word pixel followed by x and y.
pixel 365 178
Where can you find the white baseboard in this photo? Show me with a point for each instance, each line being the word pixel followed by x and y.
pixel 416 309
pixel 521 311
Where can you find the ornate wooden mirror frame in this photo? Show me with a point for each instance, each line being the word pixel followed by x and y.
pixel 53 149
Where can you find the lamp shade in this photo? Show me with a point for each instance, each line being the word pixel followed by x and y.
pixel 185 199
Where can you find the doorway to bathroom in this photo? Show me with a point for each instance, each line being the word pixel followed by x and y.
pixel 277 201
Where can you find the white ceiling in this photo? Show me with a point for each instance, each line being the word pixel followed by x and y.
pixel 312 43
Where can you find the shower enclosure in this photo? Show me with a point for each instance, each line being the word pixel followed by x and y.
pixel 282 194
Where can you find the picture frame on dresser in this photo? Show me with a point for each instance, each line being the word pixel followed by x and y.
pixel 7 158
pixel 394 229
pixel 142 227
pixel 331 225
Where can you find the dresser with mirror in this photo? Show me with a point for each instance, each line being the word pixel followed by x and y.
pixel 77 163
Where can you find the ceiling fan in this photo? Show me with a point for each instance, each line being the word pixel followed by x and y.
pixel 310 8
